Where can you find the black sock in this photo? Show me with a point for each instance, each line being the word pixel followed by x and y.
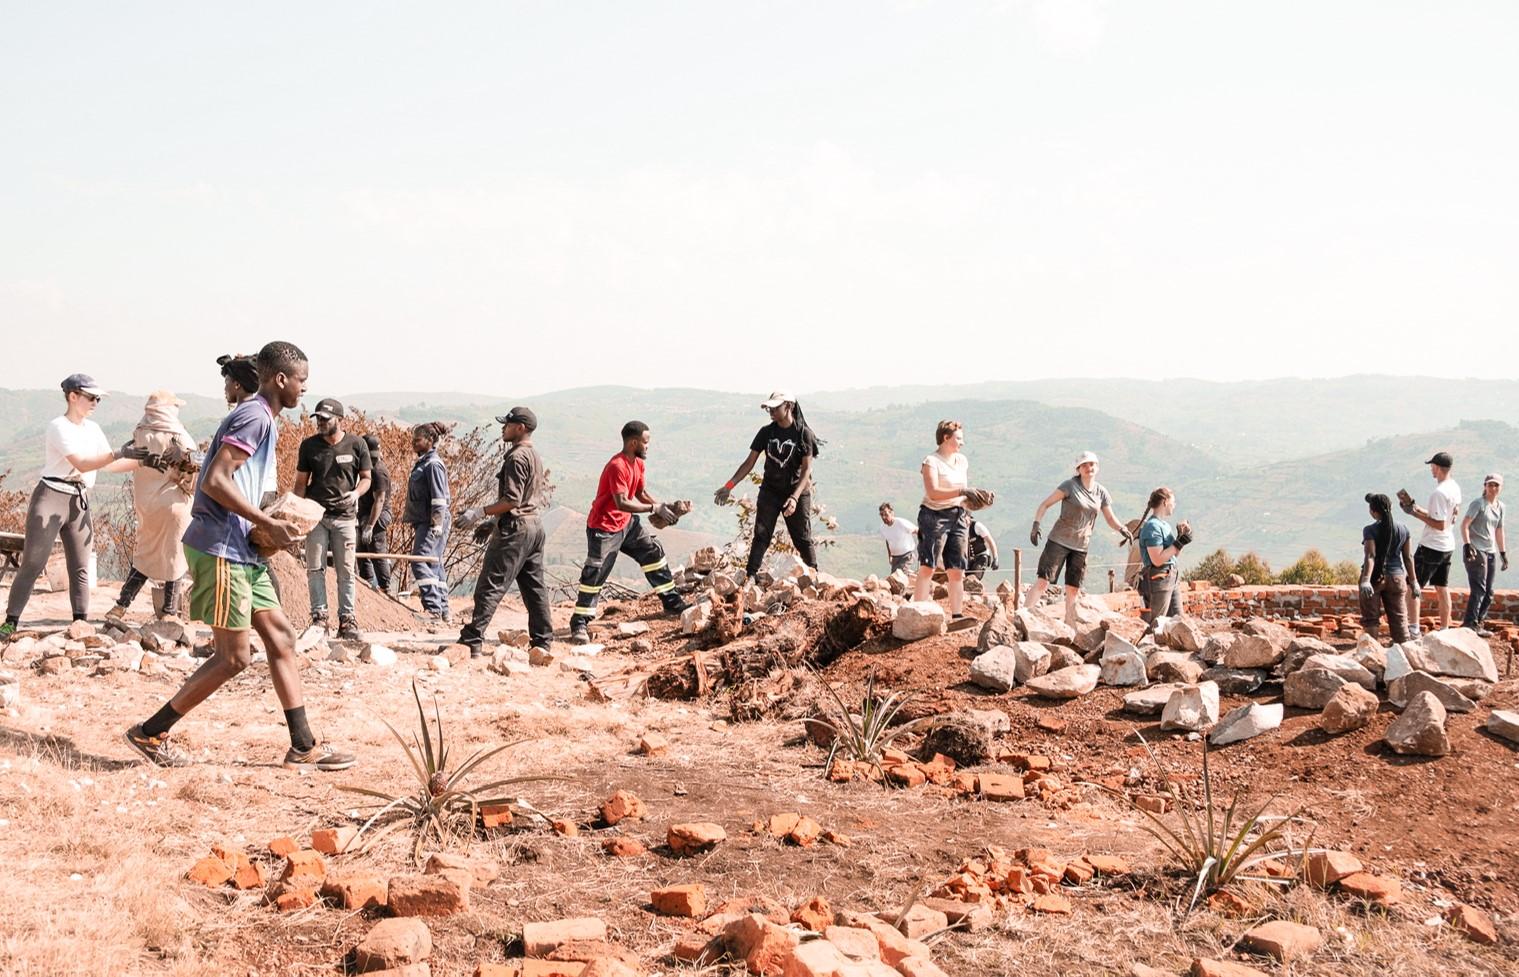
pixel 301 737
pixel 163 720
pixel 81 617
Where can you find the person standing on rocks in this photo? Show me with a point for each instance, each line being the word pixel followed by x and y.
pixel 332 469
pixel 789 447
pixel 374 519
pixel 231 590
pixel 163 486
pixel 1159 546
pixel 613 526
pixel 1437 543
pixel 1483 549
pixel 1386 567
pixel 943 520
pixel 901 539
pixel 1081 498
pixel 74 449
pixel 427 514
pixel 515 549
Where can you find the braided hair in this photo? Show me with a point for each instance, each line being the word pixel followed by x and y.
pixel 801 423
pixel 1381 507
pixel 1156 498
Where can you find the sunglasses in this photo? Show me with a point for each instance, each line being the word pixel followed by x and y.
pixel 92 398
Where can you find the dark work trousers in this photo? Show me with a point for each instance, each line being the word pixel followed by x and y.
pixel 1390 594
pixel 767 509
pixel 1161 593
pixel 54 512
pixel 515 552
pixel 376 572
pixel 1479 577
pixel 432 587
pixel 601 549
pixel 133 585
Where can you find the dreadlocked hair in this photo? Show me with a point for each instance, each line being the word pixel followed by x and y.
pixel 433 430
pixel 801 422
pixel 1381 507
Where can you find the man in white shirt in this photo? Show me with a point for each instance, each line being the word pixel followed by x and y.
pixel 1438 542
pixel 901 540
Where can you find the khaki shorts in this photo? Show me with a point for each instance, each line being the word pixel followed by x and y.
pixel 226 594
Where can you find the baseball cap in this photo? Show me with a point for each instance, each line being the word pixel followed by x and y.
pixel 162 396
pixel 1085 457
pixel 373 440
pixel 777 398
pixel 82 383
pixel 520 415
pixel 1494 478
pixel 328 407
pixel 1441 458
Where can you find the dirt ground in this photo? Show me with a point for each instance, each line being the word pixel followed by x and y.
pixel 94 846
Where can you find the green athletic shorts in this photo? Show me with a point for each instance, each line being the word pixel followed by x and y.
pixel 225 594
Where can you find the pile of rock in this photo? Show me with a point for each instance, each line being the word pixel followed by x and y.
pixel 151 648
pixel 1030 878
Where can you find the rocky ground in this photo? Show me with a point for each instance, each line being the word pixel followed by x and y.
pixel 708 830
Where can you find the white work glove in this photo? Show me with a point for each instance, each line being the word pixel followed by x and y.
pixel 472 516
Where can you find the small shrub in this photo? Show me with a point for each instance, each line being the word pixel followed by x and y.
pixel 866 735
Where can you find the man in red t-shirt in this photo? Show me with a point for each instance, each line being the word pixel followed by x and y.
pixel 613 527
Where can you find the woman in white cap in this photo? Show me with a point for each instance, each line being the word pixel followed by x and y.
pixel 1081 497
pixel 789 446
pixel 1484 551
pixel 74 449
pixel 162 489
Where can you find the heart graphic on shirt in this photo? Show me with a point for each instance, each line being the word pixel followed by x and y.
pixel 781 451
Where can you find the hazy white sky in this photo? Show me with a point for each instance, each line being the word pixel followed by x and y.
pixel 517 197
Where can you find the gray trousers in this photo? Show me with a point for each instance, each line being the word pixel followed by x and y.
pixel 341 534
pixel 1162 592
pixel 51 513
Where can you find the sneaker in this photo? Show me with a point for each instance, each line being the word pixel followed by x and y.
pixel 7 630
pixel 348 630
pixel 159 750
pixel 116 614
pixel 579 634
pixel 962 622
pixel 319 619
pixel 1484 633
pixel 319 757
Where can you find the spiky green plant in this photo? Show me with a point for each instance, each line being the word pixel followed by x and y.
pixel 865 736
pixel 439 808
pixel 1215 850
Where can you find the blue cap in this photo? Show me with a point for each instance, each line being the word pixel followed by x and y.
pixel 82 383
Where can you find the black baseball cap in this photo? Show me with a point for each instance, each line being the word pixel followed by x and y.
pixel 328 407
pixel 520 415
pixel 1441 458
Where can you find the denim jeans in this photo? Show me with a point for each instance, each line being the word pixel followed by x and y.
pixel 341 534
pixel 1479 576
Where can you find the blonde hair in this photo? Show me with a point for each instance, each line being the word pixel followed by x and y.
pixel 945 431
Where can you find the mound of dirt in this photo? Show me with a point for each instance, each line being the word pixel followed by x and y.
pixel 374 610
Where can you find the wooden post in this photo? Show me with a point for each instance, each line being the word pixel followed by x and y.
pixel 1017 578
pixel 1112 580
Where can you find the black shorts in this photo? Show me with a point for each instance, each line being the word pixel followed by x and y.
pixel 1056 556
pixel 1432 567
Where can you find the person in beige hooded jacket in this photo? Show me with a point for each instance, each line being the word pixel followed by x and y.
pixel 162 489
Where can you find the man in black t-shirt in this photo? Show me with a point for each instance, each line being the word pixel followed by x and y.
pixel 788 446
pixel 374 518
pixel 332 468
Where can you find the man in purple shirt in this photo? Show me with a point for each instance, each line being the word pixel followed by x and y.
pixel 232 589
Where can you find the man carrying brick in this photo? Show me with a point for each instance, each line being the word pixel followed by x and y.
pixel 332 470
pixel 231 590
pixel 613 527
pixel 1438 542
pixel 515 550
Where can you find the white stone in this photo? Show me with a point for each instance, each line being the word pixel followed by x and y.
pixel 379 655
pixel 997 668
pixel 1192 708
pixel 310 638
pixel 10 689
pixel 1034 626
pixel 1066 683
pixel 1149 701
pixel 787 565
pixel 1405 687
pixel 509 661
pixel 916 620
pixel 1033 660
pixel 1453 651
pixel 1420 730
pixel 439 663
pixel 1397 665
pixel 1122 664
pixel 1183 635
pixel 632 629
pixel 1504 723
pixel 1252 651
pixel 1345 667
pixel 696 618
pixel 1251 719
pixel 1311 688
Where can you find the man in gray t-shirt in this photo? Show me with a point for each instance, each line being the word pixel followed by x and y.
pixel 1082 498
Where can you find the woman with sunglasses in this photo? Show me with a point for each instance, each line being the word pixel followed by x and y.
pixel 74 449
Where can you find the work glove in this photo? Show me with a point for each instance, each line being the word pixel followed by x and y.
pixel 667 514
pixel 1405 501
pixel 483 532
pixel 722 495
pixel 1469 553
pixel 130 451
pixel 472 516
pixel 436 522
pixel 1125 538
pixel 977 499
pixel 159 463
pixel 996 565
pixel 1035 534
pixel 1503 562
pixel 1184 536
pixel 1367 590
pixel 366 537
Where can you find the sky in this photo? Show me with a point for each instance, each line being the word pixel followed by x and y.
pixel 511 198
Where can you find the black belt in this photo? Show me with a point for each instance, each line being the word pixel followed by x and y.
pixel 66 485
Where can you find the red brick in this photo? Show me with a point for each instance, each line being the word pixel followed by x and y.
pixel 296 897
pixel 696 950
pixel 393 943
pixel 1078 872
pixel 919 967
pixel 1476 924
pixel 680 900
pixel 1379 889
pixel 694 837
pixel 282 846
pixel 1223 968
pixel 834 838
pixel 1000 787
pixel 1110 866
pixel 1283 939
pixel 334 841
pixel 623 847
pixel 565 826
pixel 304 864
pixel 210 871
pixel 1053 904
pixel 815 958
pixel 355 891
pixel 1226 903
pixel 495 815
pixel 426 895
pixel 542 938
pixel 855 942
pixel 1326 867
pixel 906 774
pixel 780 825
pixel 805 833
pixel 653 744
pixel 919 921
pixel 624 805
pixel 763 946
pixel 890 943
